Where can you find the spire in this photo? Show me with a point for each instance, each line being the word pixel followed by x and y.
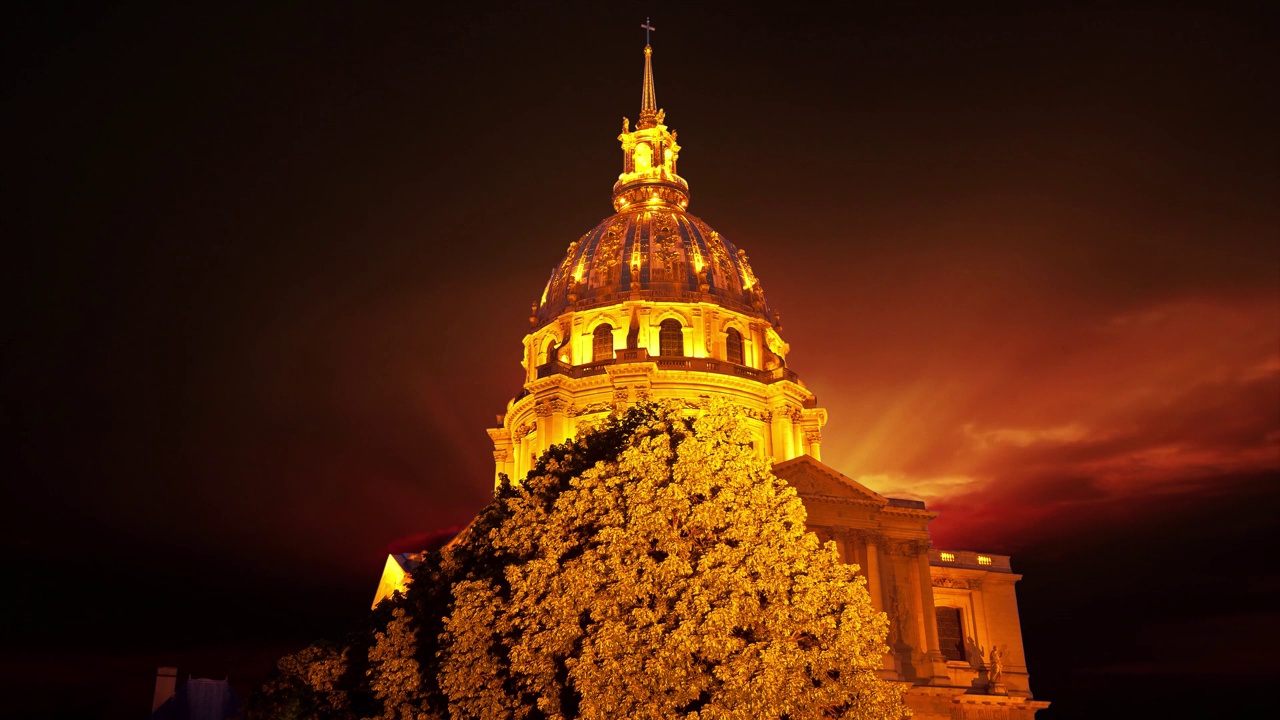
pixel 648 101
pixel 649 153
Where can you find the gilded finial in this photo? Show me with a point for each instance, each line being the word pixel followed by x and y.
pixel 648 100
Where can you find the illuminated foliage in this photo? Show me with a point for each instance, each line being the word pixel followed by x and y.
pixel 654 568
pixel 674 580
pixel 307 684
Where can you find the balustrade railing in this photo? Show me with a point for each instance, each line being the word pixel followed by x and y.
pixel 669 362
pixel 969 559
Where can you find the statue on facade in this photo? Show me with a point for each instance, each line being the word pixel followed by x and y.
pixel 626 126
pixel 995 667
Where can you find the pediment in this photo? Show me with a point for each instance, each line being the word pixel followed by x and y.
pixel 811 478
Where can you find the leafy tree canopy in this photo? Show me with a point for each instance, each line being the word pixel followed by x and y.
pixel 652 568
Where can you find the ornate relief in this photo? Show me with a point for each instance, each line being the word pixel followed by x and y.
pixel 868 537
pixel 950 582
pixel 813 436
pixel 568 254
pixel 899 616
pixel 790 413
pixel 749 279
pixel 542 409
pixel 663 243
pixel 522 430
pixel 719 255
pixel 642 393
pixel 621 395
pixel 588 409
pixel 608 253
pixel 906 548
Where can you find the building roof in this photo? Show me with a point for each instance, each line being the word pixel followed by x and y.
pixel 651 249
pixel 654 254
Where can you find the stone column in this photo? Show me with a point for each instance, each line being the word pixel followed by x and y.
pixel 889 669
pixel 872 541
pixel 937 663
pixel 783 429
pixel 813 439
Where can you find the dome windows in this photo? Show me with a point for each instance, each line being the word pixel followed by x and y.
pixel 602 343
pixel 733 346
pixel 671 338
pixel 643 158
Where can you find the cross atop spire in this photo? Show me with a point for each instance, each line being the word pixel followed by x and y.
pixel 649 115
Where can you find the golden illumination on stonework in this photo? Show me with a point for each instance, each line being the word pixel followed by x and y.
pixel 677 302
pixel 652 304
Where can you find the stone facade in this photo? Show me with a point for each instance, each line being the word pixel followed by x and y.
pixel 652 304
pixel 917 586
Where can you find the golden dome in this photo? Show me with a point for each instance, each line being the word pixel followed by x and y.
pixel 652 304
pixel 660 253
pixel 651 249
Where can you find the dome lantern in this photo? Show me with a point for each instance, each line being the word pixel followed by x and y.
pixel 649 155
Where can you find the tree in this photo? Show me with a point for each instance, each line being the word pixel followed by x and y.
pixel 654 568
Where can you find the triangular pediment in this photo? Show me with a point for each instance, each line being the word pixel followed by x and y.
pixel 811 478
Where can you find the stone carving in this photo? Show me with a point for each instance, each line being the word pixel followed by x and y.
pixel 869 537
pixel 588 409
pixel 790 413
pixel 761 415
pixel 685 404
pixel 906 548
pixel 608 253
pixel 898 618
pixel 813 436
pixel 642 394
pixel 524 429
pixel 956 583
pixel 621 395
pixel 995 667
pixel 664 236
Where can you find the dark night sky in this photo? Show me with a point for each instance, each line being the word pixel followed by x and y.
pixel 268 272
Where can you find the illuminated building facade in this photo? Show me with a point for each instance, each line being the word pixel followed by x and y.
pixel 653 304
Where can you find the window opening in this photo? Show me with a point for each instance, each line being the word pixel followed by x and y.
pixel 951 633
pixel 733 346
pixel 602 343
pixel 670 338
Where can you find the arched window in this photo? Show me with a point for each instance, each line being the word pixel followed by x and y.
pixel 670 338
pixel 733 346
pixel 643 158
pixel 550 354
pixel 602 343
